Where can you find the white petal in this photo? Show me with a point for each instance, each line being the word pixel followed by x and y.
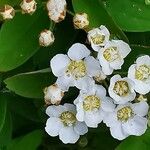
pixel 105 65
pixel 80 115
pixel 118 133
pixel 143 60
pixel 100 91
pixel 136 126
pixel 68 135
pixel 59 63
pixel 53 126
pixel 70 107
pixel 140 108
pixel 54 111
pixel 78 51
pixel 84 83
pixel 110 119
pixel 117 64
pixel 107 104
pixel 141 87
pixel 131 72
pixel 92 65
pixel 65 82
pixel 81 128
pixel 93 119
pixel 124 48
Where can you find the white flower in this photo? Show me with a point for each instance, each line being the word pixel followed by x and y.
pixel 63 122
pixel 128 119
pixel 98 37
pixel 121 89
pixel 46 38
pixel 112 56
pixel 93 105
pixel 56 10
pixel 99 76
pixel 80 20
pixel 53 94
pixel 76 69
pixel 28 6
pixel 7 12
pixel 140 74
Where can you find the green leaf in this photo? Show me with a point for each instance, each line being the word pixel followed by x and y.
pixel 30 141
pixel 97 15
pixel 6 132
pixel 136 143
pixel 130 15
pixel 3 108
pixel 10 2
pixel 30 84
pixel 19 38
pixel 23 107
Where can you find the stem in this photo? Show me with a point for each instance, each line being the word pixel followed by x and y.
pixel 52 25
pixel 70 12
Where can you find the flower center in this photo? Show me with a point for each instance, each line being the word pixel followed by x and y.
pixel 111 54
pixel 121 88
pixel 77 69
pixel 124 113
pixel 91 102
pixel 98 39
pixel 142 73
pixel 68 118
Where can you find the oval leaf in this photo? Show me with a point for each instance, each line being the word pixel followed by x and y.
pixel 30 84
pixel 130 15
pixel 19 39
pixel 30 141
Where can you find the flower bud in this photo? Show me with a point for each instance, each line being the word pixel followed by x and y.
pixel 56 10
pixel 80 20
pixel 46 38
pixel 7 12
pixel 28 6
pixel 53 94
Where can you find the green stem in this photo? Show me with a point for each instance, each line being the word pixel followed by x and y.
pixel 70 12
pixel 52 26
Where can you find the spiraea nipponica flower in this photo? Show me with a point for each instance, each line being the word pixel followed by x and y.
pixel 46 38
pixel 63 122
pixel 140 74
pixel 98 37
pixel 121 89
pixel 112 56
pixel 56 10
pixel 80 21
pixel 128 119
pixel 53 94
pixel 76 69
pixel 93 105
pixel 7 12
pixel 28 6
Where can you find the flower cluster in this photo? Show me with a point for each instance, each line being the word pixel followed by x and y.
pixel 116 106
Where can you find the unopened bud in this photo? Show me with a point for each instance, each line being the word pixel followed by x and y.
pixel 53 94
pixel 56 10
pixel 28 6
pixel 81 21
pixel 7 12
pixel 46 38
